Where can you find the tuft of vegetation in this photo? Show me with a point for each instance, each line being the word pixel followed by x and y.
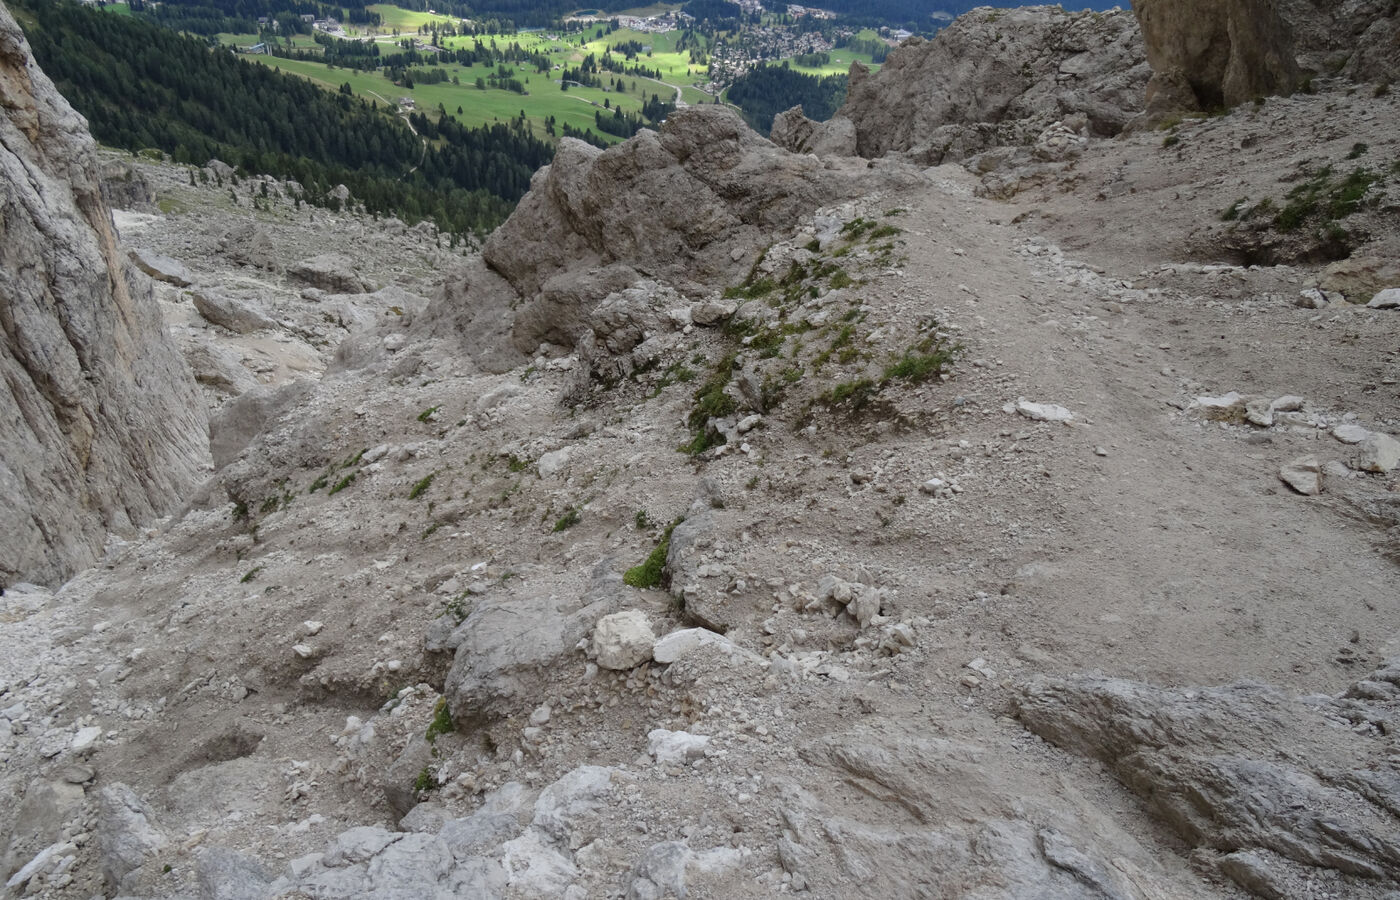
pixel 652 572
pixel 750 290
pixel 927 359
pixel 1358 150
pixel 1232 212
pixel 427 414
pixel 425 781
pixel 342 484
pixel 1325 196
pixel 240 511
pixel 856 393
pixel 711 402
pixel 516 464
pixel 569 519
pixel 252 573
pixel 641 521
pixel 441 723
pixel 321 481
pixel 421 486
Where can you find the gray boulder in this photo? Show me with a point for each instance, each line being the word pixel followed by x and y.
pixel 230 312
pixel 161 267
pixel 228 875
pixel 124 187
pixel 331 272
pixel 126 838
pixel 237 424
pixel 507 645
pixel 217 367
pixel 101 425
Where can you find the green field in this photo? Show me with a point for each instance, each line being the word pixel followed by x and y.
pixel 405 19
pixel 656 9
pixel 544 99
pixel 480 107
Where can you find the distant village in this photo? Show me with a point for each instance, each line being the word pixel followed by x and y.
pixel 728 60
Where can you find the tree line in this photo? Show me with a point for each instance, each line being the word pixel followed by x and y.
pixel 766 90
pixel 141 86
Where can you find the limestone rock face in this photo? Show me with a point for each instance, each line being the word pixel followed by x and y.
pixel 692 204
pixel 1266 784
pixel 1206 54
pixel 1358 38
pixel 101 425
pixel 998 77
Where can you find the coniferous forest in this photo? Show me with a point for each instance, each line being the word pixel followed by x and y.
pixel 142 86
pixel 766 90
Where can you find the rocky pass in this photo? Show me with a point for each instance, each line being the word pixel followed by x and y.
pixel 711 451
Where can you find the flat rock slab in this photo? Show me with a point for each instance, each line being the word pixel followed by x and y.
pixel 1304 475
pixel 161 267
pixel 1386 299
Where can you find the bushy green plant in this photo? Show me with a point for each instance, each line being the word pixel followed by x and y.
pixel 652 570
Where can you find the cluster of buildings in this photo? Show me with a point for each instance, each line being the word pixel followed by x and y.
pixel 730 60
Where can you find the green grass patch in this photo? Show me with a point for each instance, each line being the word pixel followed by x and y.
pixel 569 519
pixel 342 484
pixel 422 485
pixel 652 572
pixel 441 723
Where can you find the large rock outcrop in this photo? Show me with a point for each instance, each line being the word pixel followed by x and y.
pixel 692 205
pixel 1207 54
pixel 1358 38
pixel 998 77
pixel 101 426
pixel 1275 791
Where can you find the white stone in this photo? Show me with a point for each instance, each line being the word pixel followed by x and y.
pixel 1351 433
pixel 623 640
pixel 1378 453
pixel 980 666
pixel 305 651
pixel 553 463
pixel 1287 403
pixel 1043 412
pixel 541 715
pixel 312 627
pixel 712 312
pixel 1304 475
pixel 677 644
pixel 1386 299
pixel 38 863
pixel 1229 406
pixel 86 738
pixel 1311 298
pixel 748 423
pixel 676 747
pixel 1259 412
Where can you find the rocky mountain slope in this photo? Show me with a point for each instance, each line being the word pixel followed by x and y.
pixel 1023 527
pixel 102 429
